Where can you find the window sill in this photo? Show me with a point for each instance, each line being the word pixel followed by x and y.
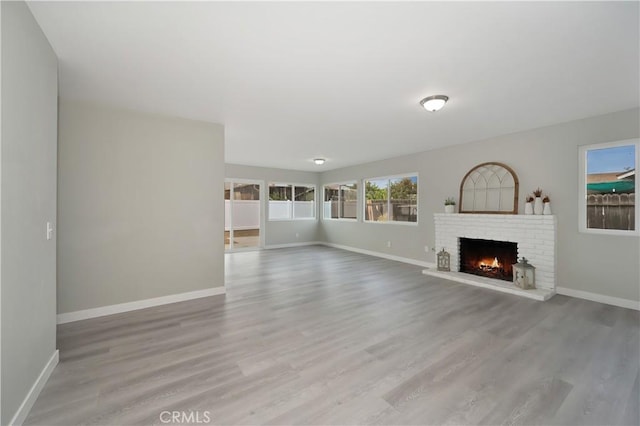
pixel 609 232
pixel 393 222
pixel 302 219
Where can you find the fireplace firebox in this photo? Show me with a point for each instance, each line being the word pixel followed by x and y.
pixel 488 258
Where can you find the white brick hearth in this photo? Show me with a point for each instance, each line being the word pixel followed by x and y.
pixel 535 236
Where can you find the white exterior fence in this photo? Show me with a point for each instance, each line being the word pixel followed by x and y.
pixel 246 214
pixel 282 209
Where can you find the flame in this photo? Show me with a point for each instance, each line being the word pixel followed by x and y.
pixel 488 263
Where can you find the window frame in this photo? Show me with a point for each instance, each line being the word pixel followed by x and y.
pixel 389 177
pixel 582 188
pixel 293 196
pixel 343 219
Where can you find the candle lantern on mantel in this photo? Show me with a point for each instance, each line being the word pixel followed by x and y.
pixel 444 261
pixel 524 274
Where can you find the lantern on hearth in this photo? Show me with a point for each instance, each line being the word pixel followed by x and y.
pixel 444 261
pixel 524 274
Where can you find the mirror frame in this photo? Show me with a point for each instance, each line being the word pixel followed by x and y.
pixel 515 195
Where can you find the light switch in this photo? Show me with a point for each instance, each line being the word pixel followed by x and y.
pixel 49 230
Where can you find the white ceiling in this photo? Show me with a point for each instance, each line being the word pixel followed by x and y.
pixel 294 81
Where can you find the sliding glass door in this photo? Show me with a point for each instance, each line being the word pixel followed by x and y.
pixel 242 214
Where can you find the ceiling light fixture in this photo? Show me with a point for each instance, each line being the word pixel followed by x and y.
pixel 434 103
pixel 319 161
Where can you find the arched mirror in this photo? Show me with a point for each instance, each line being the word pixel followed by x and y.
pixel 489 188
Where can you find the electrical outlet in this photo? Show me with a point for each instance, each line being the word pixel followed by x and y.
pixel 388 244
pixel 426 249
pixel 297 235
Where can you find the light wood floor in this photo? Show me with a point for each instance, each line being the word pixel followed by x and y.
pixel 316 335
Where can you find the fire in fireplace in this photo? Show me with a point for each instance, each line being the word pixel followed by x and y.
pixel 488 258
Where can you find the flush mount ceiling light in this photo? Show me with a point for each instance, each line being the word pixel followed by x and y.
pixel 434 103
pixel 319 161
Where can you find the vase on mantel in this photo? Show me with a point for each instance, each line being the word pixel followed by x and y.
pixel 537 206
pixel 449 208
pixel 528 208
pixel 546 209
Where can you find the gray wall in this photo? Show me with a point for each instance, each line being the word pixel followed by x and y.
pixel 140 206
pixel 29 132
pixel 545 158
pixel 281 232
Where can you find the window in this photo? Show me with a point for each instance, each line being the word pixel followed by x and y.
pixel 287 201
pixel 340 201
pixel 393 199
pixel 279 201
pixel 304 206
pixel 608 188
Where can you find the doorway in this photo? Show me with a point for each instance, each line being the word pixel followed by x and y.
pixel 242 214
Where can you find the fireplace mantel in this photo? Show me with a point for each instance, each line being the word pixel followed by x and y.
pixel 534 234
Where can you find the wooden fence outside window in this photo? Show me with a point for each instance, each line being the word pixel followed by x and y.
pixel 611 211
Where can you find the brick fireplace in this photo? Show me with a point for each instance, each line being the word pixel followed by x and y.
pixel 534 237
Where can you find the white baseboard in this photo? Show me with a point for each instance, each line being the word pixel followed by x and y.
pixel 138 304
pixel 382 255
pixel 32 395
pixel 279 246
pixel 595 297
